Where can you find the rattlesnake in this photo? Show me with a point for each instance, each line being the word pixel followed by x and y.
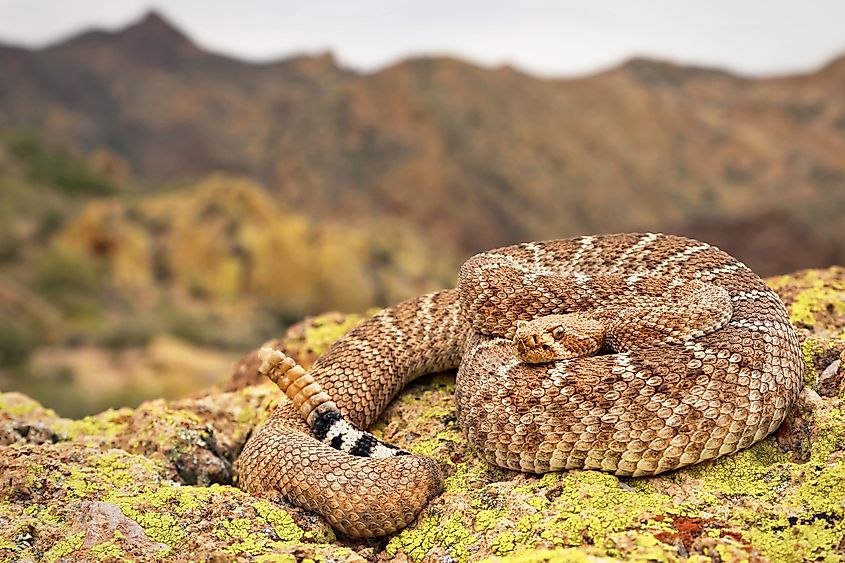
pixel 695 358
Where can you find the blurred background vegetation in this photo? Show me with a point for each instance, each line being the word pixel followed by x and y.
pixel 108 294
pixel 165 209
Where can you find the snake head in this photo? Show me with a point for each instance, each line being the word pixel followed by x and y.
pixel 558 337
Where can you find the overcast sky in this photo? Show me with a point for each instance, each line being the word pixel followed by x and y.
pixel 552 38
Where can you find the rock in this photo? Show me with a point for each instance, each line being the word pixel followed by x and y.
pixel 156 482
pixel 84 503
pixel 305 341
pixel 103 522
pixel 23 420
pixel 830 382
pixel 815 299
pixel 809 399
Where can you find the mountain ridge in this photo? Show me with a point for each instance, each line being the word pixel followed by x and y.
pixel 154 23
pixel 474 156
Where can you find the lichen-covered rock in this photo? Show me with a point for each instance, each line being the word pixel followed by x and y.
pixel 155 483
pixel 305 341
pixel 69 501
pixel 815 299
pixel 24 420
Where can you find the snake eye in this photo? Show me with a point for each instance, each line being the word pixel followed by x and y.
pixel 557 333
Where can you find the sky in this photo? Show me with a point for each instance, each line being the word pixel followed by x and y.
pixel 549 38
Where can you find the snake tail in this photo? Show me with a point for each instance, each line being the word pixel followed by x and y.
pixel 318 410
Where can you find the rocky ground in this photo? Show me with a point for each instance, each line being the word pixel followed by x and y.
pixel 156 482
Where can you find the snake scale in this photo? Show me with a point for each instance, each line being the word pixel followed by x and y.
pixel 678 354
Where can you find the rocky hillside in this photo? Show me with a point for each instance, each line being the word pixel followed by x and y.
pixel 156 482
pixel 473 157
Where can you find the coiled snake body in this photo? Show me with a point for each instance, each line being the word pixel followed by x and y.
pixel 695 358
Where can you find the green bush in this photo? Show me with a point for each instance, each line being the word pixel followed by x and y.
pixel 71 281
pixel 17 341
pixel 131 331
pixel 194 328
pixel 10 245
pixel 59 168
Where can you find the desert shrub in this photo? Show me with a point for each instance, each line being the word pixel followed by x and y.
pixel 59 168
pixel 130 331
pixel 10 245
pixel 18 339
pixel 50 221
pixel 69 280
pixel 195 328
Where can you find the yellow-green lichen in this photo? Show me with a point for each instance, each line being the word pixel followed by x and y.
pixel 322 332
pixel 44 514
pixel 527 523
pixel 160 413
pixel 154 509
pixel 812 348
pixel 282 522
pixel 726 552
pixel 325 535
pixel 538 503
pixel 131 482
pixel 6 543
pixel 19 405
pixel 109 550
pixel 276 558
pixel 238 531
pixel 161 528
pixel 524 536
pixel 34 476
pixel 471 476
pixel 438 412
pixel 179 499
pixel 803 516
pixel 106 425
pixel 165 510
pixel 488 518
pixel 121 469
pixel 65 547
pixel 251 536
pixel 449 534
pixel 816 294
pixel 829 435
pixel 561 555
pixel 785 543
pixel 430 446
pixel 78 484
pixel 110 471
pixel 754 471
pixel 504 543
pixel 590 506
pixel 821 491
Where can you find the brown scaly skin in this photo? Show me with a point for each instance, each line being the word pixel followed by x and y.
pixel 704 363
